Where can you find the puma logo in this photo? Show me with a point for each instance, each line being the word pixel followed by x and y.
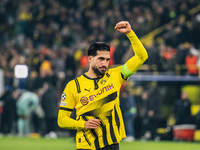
pixel 87 90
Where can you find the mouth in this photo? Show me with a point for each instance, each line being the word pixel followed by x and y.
pixel 102 68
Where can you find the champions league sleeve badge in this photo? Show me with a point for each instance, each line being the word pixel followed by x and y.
pixel 63 97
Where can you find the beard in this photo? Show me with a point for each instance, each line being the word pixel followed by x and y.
pixel 99 72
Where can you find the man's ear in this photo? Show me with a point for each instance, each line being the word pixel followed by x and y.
pixel 90 58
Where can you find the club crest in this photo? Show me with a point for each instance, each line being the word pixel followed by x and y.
pixel 103 81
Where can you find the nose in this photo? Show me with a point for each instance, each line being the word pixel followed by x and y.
pixel 105 63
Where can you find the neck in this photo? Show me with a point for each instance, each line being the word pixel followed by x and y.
pixel 92 74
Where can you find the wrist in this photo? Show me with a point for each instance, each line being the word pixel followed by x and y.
pixel 129 32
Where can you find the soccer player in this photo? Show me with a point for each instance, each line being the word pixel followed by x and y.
pixel 95 96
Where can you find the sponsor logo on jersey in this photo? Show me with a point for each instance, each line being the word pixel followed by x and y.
pixel 85 100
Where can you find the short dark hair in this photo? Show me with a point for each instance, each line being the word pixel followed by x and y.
pixel 98 46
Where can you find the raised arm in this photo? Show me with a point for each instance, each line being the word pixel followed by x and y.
pixel 133 64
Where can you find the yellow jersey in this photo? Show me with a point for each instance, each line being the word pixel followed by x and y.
pixel 96 98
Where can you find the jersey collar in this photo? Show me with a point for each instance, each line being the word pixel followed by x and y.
pixel 92 78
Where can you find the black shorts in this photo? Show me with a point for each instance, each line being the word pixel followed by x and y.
pixel 109 147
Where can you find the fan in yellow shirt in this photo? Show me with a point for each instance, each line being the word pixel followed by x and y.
pixel 95 96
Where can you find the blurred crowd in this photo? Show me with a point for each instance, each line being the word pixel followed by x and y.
pixel 29 111
pixel 56 34
pixel 51 37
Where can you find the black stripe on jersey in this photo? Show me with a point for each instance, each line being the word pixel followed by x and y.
pixel 112 133
pixel 109 98
pixel 87 140
pixel 107 75
pixel 123 77
pixel 105 140
pixel 77 85
pixel 94 134
pixel 67 109
pixel 96 86
pixel 104 100
pixel 117 118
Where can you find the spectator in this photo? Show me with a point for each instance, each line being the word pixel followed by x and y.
pixel 182 110
pixel 151 113
pixel 26 104
pixel 129 112
pixel 49 105
pixel 191 63
pixel 9 115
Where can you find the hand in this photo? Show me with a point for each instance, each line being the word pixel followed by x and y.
pixel 92 124
pixel 123 27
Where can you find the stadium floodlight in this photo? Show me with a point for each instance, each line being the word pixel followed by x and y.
pixel 21 71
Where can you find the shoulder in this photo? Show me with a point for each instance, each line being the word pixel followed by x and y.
pixel 116 74
pixel 27 94
pixel 72 84
pixel 32 95
pixel 116 69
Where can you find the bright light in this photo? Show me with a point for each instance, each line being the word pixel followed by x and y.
pixel 21 71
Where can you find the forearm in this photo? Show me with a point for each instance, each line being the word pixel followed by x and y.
pixel 64 121
pixel 133 64
pixel 137 46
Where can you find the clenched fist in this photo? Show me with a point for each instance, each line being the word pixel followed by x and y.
pixel 123 27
